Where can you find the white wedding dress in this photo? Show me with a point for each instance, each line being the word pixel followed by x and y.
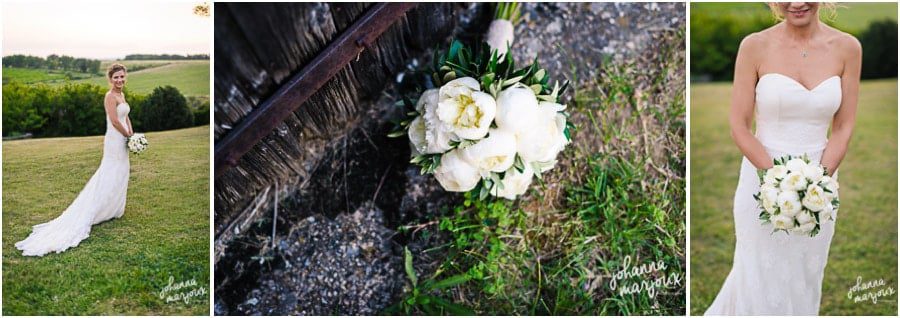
pixel 777 273
pixel 101 199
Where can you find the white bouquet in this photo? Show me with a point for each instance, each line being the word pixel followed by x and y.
pixel 797 196
pixel 486 126
pixel 137 143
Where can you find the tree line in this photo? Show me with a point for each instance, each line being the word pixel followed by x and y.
pixel 53 62
pixel 715 39
pixel 77 110
pixel 166 57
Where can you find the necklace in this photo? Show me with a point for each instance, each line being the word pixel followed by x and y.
pixel 803 53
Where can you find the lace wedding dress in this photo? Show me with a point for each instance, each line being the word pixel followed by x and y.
pixel 780 274
pixel 101 199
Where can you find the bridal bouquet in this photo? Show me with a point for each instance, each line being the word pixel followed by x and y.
pixel 137 143
pixel 796 196
pixel 486 126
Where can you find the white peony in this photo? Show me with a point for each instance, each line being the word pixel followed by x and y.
pixel 804 217
pixel 416 132
pixel 827 212
pixel 455 174
pixel 768 192
pixel 789 203
pixel 499 35
pixel 830 184
pixel 774 174
pixel 813 172
pixel 464 109
pixel 815 199
pixel 496 153
pixel 795 165
pixel 782 222
pixel 545 140
pixel 437 135
pixel 794 181
pixel 517 110
pixel 515 183
pixel 805 228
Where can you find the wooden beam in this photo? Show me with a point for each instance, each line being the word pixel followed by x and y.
pixel 293 93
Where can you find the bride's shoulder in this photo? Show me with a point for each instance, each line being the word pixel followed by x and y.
pixel 756 42
pixel 843 42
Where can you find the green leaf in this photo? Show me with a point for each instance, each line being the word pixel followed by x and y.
pixel 454 49
pixel 396 134
pixel 408 264
pixel 450 282
pixel 454 309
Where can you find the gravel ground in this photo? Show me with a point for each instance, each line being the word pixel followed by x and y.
pixel 583 35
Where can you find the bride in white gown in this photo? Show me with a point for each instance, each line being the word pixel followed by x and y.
pixel 103 197
pixel 801 75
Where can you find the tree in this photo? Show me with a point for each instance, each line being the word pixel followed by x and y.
pixel 165 108
pixel 879 45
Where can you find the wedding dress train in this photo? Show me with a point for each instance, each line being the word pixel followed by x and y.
pixel 779 274
pixel 102 198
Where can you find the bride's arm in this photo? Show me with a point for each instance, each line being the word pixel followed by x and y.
pixel 845 117
pixel 743 100
pixel 130 128
pixel 110 104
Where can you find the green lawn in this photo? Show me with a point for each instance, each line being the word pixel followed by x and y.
pixel 190 77
pixel 865 241
pixel 125 263
pixel 851 17
pixel 31 75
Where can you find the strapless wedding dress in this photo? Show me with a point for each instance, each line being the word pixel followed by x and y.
pixel 780 274
pixel 102 198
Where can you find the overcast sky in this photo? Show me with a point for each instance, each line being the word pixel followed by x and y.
pixel 102 29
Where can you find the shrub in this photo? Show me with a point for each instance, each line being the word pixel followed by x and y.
pixel 879 42
pixel 164 109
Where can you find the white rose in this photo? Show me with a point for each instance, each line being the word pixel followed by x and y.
pixel 795 165
pixel 794 181
pixel 815 199
pixel 499 35
pixel 517 109
pixel 544 141
pixel 496 153
pixel 782 222
pixel 464 109
pixel 813 172
pixel 774 174
pixel 455 174
pixel 515 183
pixel 789 203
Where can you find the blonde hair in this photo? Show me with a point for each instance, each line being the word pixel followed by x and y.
pixel 830 10
pixel 115 67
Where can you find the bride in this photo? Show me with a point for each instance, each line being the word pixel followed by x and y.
pixel 800 75
pixel 103 197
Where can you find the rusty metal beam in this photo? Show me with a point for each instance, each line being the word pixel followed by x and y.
pixel 293 93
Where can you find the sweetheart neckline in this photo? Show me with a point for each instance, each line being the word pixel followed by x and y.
pixel 798 82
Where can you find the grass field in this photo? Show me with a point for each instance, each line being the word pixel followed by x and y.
pixel 125 263
pixel 851 17
pixel 865 240
pixel 190 77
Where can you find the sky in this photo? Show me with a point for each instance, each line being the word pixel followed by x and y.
pixel 103 29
